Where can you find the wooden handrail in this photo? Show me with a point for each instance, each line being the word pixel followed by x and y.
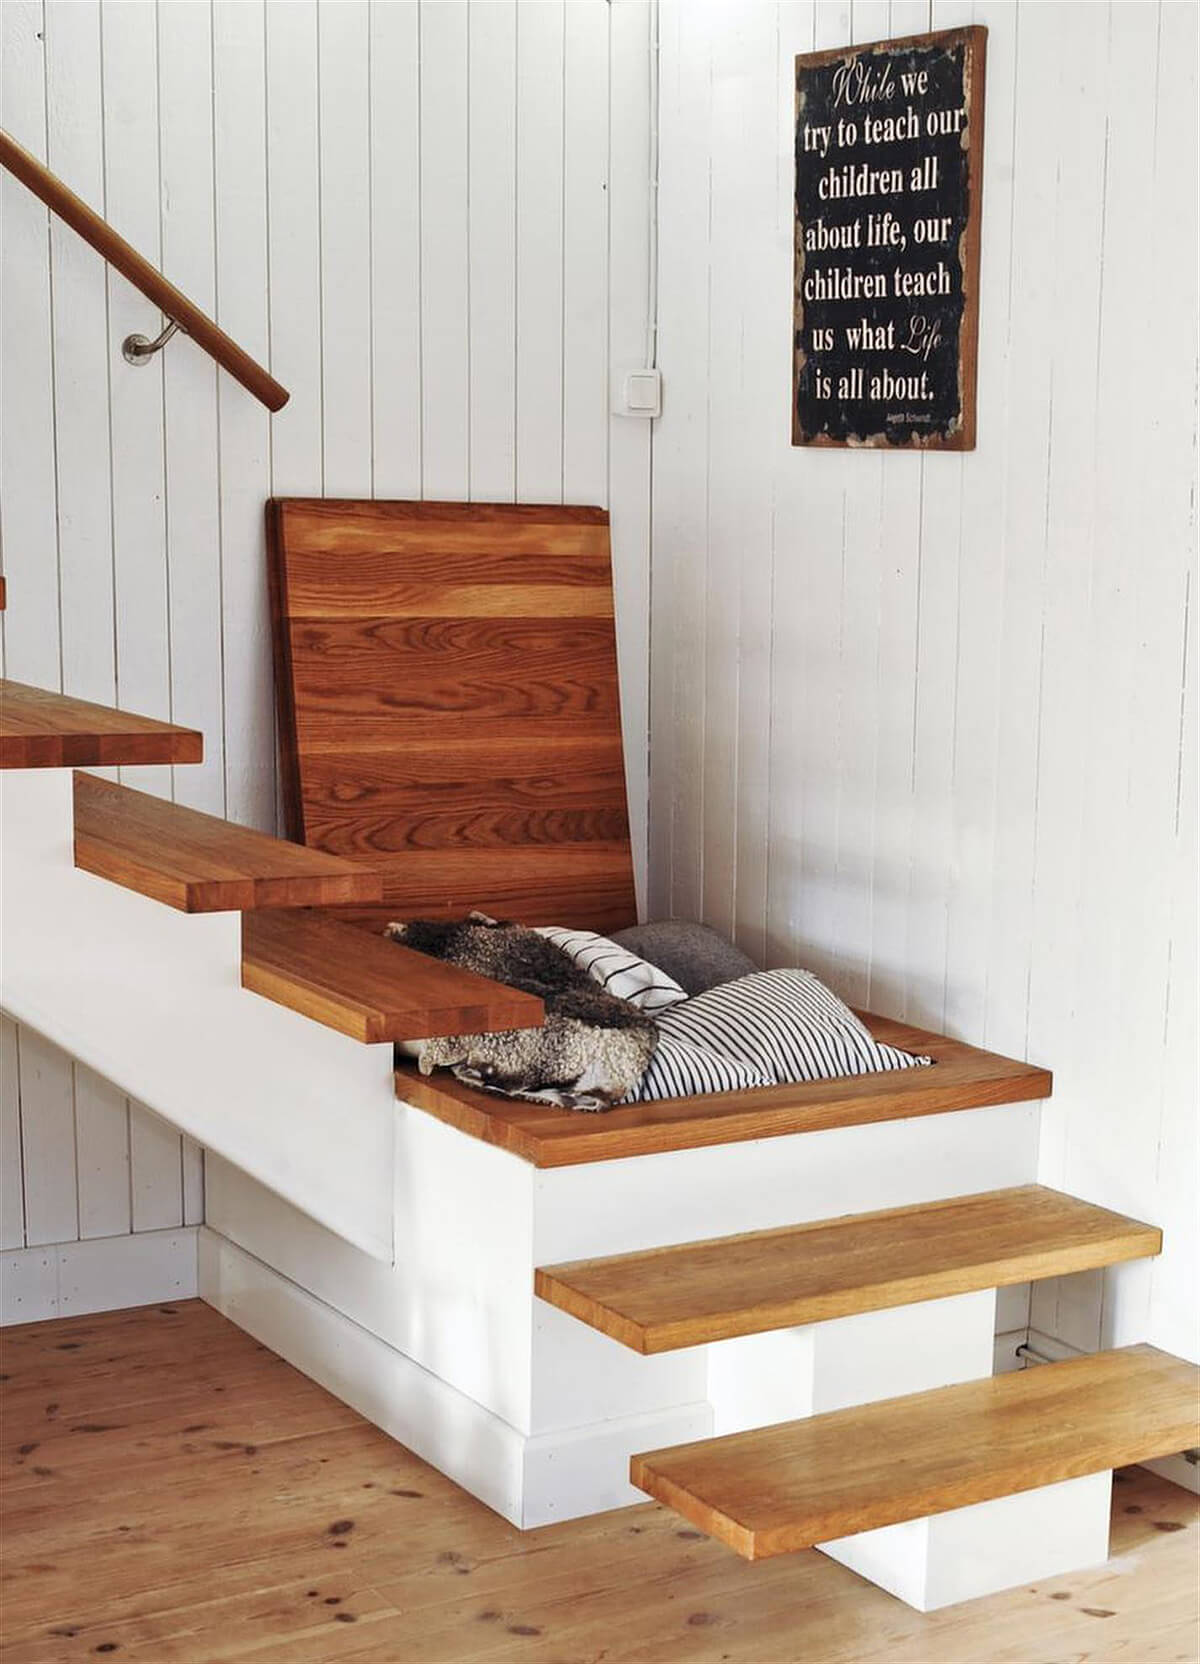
pixel 113 248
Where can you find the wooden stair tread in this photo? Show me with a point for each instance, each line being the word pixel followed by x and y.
pixel 961 1077
pixel 199 863
pixel 787 1487
pixel 741 1285
pixel 368 987
pixel 40 729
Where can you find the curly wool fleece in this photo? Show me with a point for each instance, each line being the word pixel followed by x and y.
pixel 591 1052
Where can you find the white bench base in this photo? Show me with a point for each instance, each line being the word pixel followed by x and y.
pixel 987 1547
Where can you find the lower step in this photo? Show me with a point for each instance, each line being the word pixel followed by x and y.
pixel 801 1483
pixel 699 1292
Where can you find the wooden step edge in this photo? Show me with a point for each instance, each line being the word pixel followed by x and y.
pixel 614 1294
pixel 961 1077
pixel 199 863
pixel 779 1489
pixel 370 988
pixel 44 729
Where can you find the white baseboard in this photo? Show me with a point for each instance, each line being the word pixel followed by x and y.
pixel 524 1478
pixel 104 1274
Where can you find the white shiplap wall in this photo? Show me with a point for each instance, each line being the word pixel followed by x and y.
pixel 927 724
pixel 431 221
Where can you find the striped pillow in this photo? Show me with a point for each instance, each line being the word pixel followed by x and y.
pixel 680 1070
pixel 617 970
pixel 785 1024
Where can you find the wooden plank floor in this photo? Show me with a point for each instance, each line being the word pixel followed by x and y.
pixel 172 1491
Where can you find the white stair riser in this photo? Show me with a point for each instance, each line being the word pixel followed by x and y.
pixel 151 998
pixel 787 1374
pixel 531 1481
pixel 989 1546
pixel 472 1223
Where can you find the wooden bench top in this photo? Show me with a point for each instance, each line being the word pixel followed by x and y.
pixel 961 1077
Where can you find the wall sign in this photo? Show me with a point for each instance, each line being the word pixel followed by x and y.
pixel 889 145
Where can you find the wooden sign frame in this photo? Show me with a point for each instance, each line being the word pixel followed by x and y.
pixel 955 433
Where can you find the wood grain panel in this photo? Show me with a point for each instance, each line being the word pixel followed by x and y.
pixel 370 988
pixel 961 1077
pixel 454 581
pixel 201 864
pixel 40 729
pixel 786 1487
pixel 742 1285
pixel 449 703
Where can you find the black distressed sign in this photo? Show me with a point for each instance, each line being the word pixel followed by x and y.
pixel 889 142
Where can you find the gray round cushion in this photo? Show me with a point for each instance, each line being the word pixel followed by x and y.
pixel 697 957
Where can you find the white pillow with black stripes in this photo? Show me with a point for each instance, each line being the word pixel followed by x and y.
pixel 617 970
pixel 680 1070
pixel 786 1025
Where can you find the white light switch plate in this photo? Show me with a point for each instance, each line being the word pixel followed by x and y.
pixel 643 393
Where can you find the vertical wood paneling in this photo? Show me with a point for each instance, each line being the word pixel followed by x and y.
pixel 346 275
pixel 445 252
pixel 28 527
pixel 294 245
pixel 791 567
pixel 629 437
pixel 190 390
pixel 12 1199
pixel 102 1151
pixel 492 232
pixel 680 449
pixel 47 1142
pixel 155 1171
pixel 585 233
pixel 243 301
pixel 396 250
pixel 81 369
pixel 132 197
pixel 193 1182
pixel 539 202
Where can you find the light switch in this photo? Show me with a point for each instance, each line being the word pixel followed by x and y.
pixel 643 393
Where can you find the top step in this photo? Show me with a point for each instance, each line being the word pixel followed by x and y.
pixel 961 1077
pixel 787 1487
pixel 201 864
pixel 39 729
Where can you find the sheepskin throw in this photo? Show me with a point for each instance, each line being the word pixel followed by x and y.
pixel 593 1049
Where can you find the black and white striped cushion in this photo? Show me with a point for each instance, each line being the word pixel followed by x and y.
pixel 681 1070
pixel 785 1024
pixel 617 970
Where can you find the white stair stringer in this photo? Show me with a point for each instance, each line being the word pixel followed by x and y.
pixel 151 998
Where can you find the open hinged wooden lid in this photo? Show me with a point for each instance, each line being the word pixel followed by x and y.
pixel 448 703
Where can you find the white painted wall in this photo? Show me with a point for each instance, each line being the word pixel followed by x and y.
pixel 431 221
pixel 928 724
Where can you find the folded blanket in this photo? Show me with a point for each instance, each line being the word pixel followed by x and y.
pixel 592 1051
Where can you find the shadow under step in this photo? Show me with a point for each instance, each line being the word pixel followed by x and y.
pixel 800 1483
pixel 368 987
pixel 200 863
pixel 665 1298
pixel 40 729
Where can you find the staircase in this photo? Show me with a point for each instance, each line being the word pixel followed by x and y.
pixel 700 1293
pixel 181 957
